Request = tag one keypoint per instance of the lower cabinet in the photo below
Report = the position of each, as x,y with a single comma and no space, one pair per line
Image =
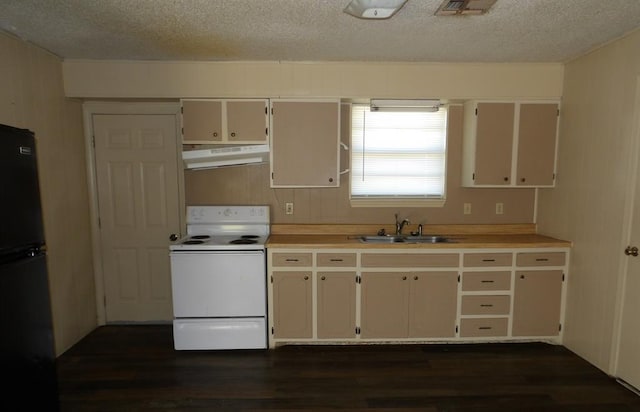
358,295
292,305
408,305
336,305
537,303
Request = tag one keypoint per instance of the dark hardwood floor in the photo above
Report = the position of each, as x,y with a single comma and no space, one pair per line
134,368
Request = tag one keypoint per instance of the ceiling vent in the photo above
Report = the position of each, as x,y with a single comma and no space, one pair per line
464,7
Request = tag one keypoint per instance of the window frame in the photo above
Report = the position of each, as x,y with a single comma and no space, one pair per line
398,201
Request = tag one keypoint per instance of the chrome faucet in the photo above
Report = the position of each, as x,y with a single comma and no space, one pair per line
400,225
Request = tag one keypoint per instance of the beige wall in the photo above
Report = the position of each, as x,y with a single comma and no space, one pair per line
250,185
588,204
149,79
32,97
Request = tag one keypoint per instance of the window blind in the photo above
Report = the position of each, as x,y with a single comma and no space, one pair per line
398,154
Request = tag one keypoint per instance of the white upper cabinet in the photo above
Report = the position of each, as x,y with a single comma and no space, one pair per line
225,121
509,144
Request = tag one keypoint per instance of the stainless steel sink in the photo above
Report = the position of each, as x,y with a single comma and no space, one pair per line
404,239
427,239
382,239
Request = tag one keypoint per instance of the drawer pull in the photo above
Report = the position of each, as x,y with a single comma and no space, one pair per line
486,281
335,260
485,328
488,260
542,260
291,260
486,305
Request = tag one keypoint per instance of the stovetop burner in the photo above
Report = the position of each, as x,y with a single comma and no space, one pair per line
193,242
200,237
243,241
249,236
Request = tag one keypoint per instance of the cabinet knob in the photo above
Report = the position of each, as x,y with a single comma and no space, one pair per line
323,278
306,278
215,134
404,278
233,134
173,237
523,180
506,179
331,180
521,276
415,278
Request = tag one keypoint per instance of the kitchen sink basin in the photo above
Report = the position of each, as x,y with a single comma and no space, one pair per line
383,239
404,239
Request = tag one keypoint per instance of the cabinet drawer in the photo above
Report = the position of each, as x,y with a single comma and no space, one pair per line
292,259
486,305
406,260
472,281
541,259
483,327
487,259
336,259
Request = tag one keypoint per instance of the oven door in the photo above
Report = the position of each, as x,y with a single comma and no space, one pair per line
218,284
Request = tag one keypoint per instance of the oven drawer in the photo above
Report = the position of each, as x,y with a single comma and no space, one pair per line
218,284
202,334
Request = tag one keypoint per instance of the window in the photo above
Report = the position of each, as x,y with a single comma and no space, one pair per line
398,158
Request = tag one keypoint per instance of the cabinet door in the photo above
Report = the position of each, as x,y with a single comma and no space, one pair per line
201,120
494,143
292,305
433,304
384,305
537,132
247,121
304,141
336,305
536,303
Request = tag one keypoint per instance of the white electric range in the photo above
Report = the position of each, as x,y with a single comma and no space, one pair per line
218,279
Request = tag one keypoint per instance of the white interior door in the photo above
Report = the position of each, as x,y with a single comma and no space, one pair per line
628,366
136,162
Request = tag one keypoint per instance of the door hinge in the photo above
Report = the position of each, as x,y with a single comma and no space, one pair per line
554,176
272,111
476,111
563,277
560,327
271,279
358,279
181,109
558,113
473,176
266,110
357,330
93,141
266,131
273,330
456,328
458,278
271,175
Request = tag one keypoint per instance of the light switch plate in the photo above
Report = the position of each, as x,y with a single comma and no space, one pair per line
288,208
467,208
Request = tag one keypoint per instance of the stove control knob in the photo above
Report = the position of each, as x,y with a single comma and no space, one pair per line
173,237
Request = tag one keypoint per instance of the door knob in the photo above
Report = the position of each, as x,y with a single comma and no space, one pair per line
631,251
173,237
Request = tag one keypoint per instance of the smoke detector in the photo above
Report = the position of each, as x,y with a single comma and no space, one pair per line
464,7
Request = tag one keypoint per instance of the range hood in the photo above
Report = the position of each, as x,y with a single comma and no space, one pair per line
225,156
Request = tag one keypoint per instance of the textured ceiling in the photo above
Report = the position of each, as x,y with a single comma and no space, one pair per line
316,30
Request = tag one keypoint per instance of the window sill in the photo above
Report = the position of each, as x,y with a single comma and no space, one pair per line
395,202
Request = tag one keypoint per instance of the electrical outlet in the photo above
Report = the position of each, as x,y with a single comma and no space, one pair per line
499,208
467,208
288,208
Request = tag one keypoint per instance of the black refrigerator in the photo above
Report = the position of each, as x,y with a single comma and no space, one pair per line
27,354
